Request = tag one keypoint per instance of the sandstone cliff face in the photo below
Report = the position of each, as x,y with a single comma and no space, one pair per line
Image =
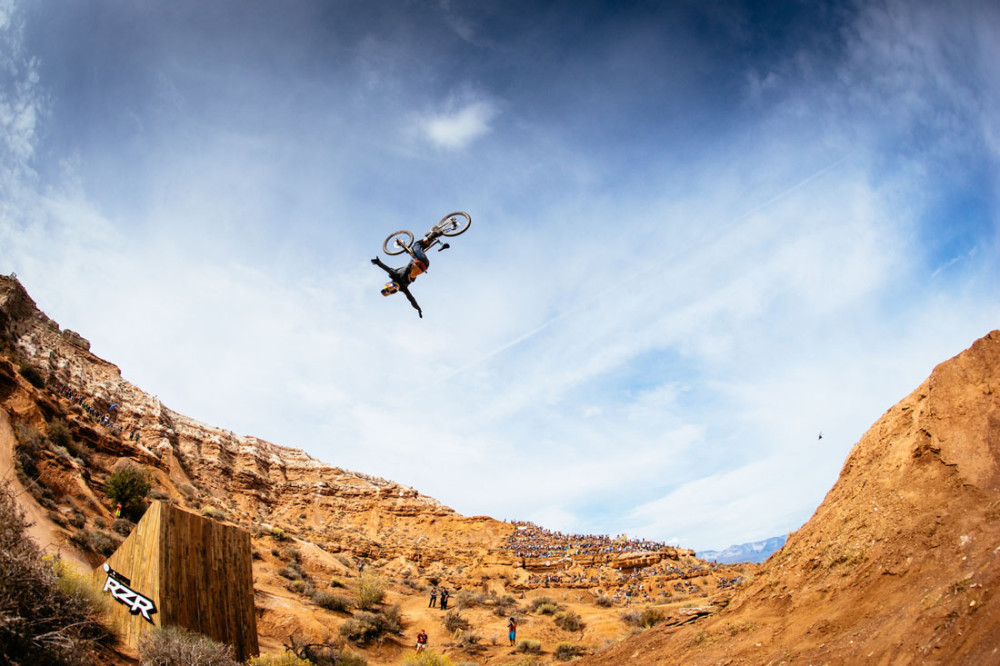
251,481
900,564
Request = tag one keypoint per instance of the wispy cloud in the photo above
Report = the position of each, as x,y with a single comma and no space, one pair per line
666,293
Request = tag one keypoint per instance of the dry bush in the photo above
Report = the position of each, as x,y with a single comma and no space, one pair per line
332,602
174,646
604,601
43,620
366,627
453,621
470,599
544,606
567,651
284,659
428,658
569,621
529,646
371,591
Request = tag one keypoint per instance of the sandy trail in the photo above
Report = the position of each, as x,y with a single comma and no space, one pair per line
40,528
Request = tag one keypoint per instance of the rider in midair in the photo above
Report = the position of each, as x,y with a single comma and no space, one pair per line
401,278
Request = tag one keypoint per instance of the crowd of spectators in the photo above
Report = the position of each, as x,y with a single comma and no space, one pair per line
94,409
531,541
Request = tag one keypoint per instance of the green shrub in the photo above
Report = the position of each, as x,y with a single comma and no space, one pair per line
47,617
128,485
569,621
371,591
174,646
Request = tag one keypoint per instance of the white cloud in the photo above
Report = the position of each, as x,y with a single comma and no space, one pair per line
460,126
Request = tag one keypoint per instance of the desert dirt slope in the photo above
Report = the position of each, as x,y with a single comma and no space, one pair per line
901,562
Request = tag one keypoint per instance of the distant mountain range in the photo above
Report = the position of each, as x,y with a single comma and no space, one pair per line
758,551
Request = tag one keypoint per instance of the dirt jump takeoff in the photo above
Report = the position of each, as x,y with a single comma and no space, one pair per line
400,279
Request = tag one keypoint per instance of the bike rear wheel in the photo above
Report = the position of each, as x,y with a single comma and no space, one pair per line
454,224
403,236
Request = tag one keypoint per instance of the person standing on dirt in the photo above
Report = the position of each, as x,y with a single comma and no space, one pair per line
512,631
401,278
444,599
421,641
434,597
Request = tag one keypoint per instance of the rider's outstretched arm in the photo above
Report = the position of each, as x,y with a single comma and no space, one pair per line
413,301
378,262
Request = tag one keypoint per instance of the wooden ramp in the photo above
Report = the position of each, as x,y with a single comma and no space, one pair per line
177,568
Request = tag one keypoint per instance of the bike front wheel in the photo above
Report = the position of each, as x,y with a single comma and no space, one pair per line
454,224
391,247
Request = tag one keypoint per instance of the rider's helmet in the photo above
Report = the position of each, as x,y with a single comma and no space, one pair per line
390,288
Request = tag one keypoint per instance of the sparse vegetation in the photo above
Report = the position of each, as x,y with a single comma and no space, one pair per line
569,621
529,646
566,651
604,601
366,627
322,654
649,617
284,659
332,602
214,513
427,658
46,615
174,646
371,591
453,621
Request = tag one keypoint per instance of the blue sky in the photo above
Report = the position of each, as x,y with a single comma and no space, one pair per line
702,233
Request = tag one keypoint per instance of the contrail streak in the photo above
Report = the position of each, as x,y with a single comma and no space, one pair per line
717,235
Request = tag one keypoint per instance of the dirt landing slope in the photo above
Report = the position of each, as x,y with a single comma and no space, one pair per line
901,562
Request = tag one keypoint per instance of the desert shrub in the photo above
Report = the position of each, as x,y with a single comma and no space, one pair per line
345,559
303,587
324,654
604,601
469,599
651,617
174,646
547,609
128,485
46,617
293,571
505,606
366,627
32,374
567,651
371,591
569,621
26,452
427,658
77,519
98,541
213,513
453,621
544,606
336,582
470,639
284,659
332,602
123,526
159,494
529,646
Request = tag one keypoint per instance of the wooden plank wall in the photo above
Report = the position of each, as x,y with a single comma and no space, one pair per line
197,571
207,580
